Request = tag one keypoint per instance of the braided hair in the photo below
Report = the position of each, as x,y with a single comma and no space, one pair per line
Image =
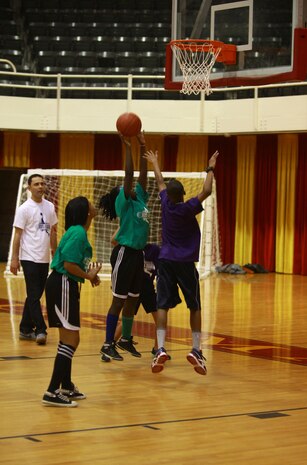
107,204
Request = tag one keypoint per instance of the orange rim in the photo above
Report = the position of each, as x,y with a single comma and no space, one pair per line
226,53
197,45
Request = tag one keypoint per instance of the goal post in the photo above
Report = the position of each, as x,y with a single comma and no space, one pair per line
63,185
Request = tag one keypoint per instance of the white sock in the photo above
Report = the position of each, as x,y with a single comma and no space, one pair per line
196,340
161,333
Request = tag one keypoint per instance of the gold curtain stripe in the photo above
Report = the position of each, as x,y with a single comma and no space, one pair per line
192,153
246,150
77,151
16,149
287,159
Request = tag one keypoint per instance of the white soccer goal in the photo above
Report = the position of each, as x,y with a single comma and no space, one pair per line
63,185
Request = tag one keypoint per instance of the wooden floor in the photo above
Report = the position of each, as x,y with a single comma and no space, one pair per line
251,408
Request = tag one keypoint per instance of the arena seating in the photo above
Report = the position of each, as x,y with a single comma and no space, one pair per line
81,36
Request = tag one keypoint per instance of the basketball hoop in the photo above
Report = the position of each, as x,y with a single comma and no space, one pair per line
196,59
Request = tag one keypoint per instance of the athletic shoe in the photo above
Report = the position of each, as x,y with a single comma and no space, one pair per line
57,399
27,336
128,346
159,360
135,343
196,358
154,353
73,393
109,352
41,339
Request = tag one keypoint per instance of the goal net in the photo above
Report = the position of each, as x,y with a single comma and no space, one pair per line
63,185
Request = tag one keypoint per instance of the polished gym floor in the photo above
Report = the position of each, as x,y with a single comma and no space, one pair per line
251,408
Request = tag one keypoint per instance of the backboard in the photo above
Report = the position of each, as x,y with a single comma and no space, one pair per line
270,35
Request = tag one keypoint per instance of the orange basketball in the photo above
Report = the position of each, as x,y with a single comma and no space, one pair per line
129,124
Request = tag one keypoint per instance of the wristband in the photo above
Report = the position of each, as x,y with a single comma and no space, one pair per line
210,168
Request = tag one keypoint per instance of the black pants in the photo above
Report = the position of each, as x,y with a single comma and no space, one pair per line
35,275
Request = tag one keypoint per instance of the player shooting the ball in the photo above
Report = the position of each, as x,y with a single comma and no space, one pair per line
127,258
176,264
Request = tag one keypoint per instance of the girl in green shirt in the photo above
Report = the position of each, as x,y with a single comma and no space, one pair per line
70,267
127,258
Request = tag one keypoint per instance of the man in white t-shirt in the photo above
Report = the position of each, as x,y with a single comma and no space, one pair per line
35,236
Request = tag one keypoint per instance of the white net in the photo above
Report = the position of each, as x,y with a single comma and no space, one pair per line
195,60
63,185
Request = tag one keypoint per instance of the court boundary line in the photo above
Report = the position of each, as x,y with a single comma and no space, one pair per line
152,424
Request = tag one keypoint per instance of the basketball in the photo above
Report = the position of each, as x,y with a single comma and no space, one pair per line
129,124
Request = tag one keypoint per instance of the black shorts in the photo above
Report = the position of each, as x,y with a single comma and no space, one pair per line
127,271
148,295
172,274
63,302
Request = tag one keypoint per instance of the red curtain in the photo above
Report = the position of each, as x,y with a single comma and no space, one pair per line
108,152
300,234
170,153
265,201
226,177
45,151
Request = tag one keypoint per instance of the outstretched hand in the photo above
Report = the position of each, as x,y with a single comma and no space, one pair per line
212,160
151,156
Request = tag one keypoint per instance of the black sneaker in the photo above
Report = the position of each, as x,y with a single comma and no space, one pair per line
73,393
154,353
27,336
109,352
159,360
196,358
128,346
57,399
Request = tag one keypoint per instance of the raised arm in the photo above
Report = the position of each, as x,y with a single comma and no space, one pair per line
129,168
143,162
207,186
152,157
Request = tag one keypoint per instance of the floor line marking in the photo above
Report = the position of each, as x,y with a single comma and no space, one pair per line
155,423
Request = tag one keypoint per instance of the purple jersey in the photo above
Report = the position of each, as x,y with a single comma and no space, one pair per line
180,229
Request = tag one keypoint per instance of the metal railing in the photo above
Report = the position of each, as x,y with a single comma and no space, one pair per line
129,83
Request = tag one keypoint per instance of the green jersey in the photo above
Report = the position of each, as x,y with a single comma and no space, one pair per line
74,247
133,214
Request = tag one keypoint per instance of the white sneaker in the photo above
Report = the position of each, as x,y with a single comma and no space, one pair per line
27,336
196,358
159,360
41,339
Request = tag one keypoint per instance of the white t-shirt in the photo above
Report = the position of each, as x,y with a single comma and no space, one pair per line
36,220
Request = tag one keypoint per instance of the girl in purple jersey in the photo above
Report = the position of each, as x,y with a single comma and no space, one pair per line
179,252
